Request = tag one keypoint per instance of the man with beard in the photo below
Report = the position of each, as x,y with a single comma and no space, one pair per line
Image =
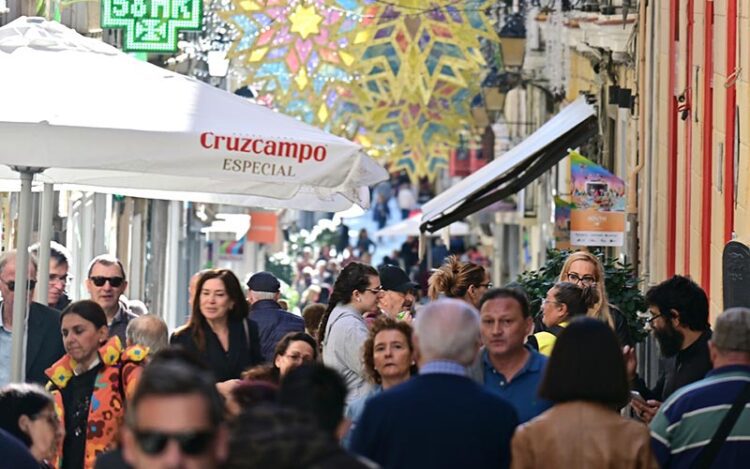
679,320
399,293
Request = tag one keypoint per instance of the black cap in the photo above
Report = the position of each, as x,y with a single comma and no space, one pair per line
264,281
394,278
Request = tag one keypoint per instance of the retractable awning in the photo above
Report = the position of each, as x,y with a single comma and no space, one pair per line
515,169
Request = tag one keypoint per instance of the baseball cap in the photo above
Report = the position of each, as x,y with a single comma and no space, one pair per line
394,278
732,330
264,281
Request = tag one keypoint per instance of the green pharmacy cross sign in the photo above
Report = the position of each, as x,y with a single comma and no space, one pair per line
151,25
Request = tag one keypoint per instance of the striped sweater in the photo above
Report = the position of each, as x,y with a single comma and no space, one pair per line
687,421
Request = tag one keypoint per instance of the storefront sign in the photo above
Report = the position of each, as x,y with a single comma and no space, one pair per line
598,216
151,25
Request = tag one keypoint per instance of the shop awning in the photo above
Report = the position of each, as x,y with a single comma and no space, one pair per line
515,169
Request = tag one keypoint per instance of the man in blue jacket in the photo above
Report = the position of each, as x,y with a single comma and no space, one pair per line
273,322
441,418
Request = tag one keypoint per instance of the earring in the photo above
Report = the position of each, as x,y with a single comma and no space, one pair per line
413,362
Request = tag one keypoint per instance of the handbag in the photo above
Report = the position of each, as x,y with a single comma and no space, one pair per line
706,457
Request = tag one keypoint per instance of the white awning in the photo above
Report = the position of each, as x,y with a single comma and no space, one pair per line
515,169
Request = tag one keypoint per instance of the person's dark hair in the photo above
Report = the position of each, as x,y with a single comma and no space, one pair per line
577,299
252,393
513,293
88,310
586,365
316,390
266,372
266,436
197,322
354,277
271,373
22,399
684,296
454,278
312,315
106,259
290,337
174,371
383,323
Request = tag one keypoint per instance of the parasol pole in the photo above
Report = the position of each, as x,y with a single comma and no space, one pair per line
20,293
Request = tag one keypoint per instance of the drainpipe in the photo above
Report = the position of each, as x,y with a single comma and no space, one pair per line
687,106
708,123
674,11
731,104
650,261
640,152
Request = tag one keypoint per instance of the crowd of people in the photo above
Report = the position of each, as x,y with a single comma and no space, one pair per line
374,376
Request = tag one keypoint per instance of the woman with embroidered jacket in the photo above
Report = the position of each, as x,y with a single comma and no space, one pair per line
219,330
90,384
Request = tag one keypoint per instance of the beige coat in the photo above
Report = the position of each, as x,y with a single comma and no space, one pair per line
582,435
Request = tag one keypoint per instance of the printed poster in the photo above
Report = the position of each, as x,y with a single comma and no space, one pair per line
598,196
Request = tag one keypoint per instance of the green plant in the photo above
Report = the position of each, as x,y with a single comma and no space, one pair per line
621,286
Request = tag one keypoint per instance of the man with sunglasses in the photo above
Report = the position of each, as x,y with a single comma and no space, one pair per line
43,340
106,283
175,417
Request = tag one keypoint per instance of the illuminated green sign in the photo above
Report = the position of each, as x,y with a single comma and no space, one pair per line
151,25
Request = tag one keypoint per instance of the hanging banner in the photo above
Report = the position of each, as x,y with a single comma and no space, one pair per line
562,223
598,215
263,227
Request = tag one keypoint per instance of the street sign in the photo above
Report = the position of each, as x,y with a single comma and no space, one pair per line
151,25
736,275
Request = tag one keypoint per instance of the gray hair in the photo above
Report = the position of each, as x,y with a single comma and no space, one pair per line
264,295
448,329
9,256
148,330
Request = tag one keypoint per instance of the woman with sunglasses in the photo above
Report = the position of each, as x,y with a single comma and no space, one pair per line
586,270
343,329
461,280
27,412
91,383
563,302
219,330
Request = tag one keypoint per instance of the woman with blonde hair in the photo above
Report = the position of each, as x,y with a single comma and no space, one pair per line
461,280
586,270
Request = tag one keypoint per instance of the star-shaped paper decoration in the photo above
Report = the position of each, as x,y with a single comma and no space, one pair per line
305,21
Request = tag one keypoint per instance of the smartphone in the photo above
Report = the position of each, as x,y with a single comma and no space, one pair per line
636,396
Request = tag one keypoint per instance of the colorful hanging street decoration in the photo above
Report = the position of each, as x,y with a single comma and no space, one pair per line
398,76
295,53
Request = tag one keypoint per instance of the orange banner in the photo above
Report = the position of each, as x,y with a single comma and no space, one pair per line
263,227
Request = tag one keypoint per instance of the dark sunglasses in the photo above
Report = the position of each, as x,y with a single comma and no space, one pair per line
191,443
114,281
12,284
